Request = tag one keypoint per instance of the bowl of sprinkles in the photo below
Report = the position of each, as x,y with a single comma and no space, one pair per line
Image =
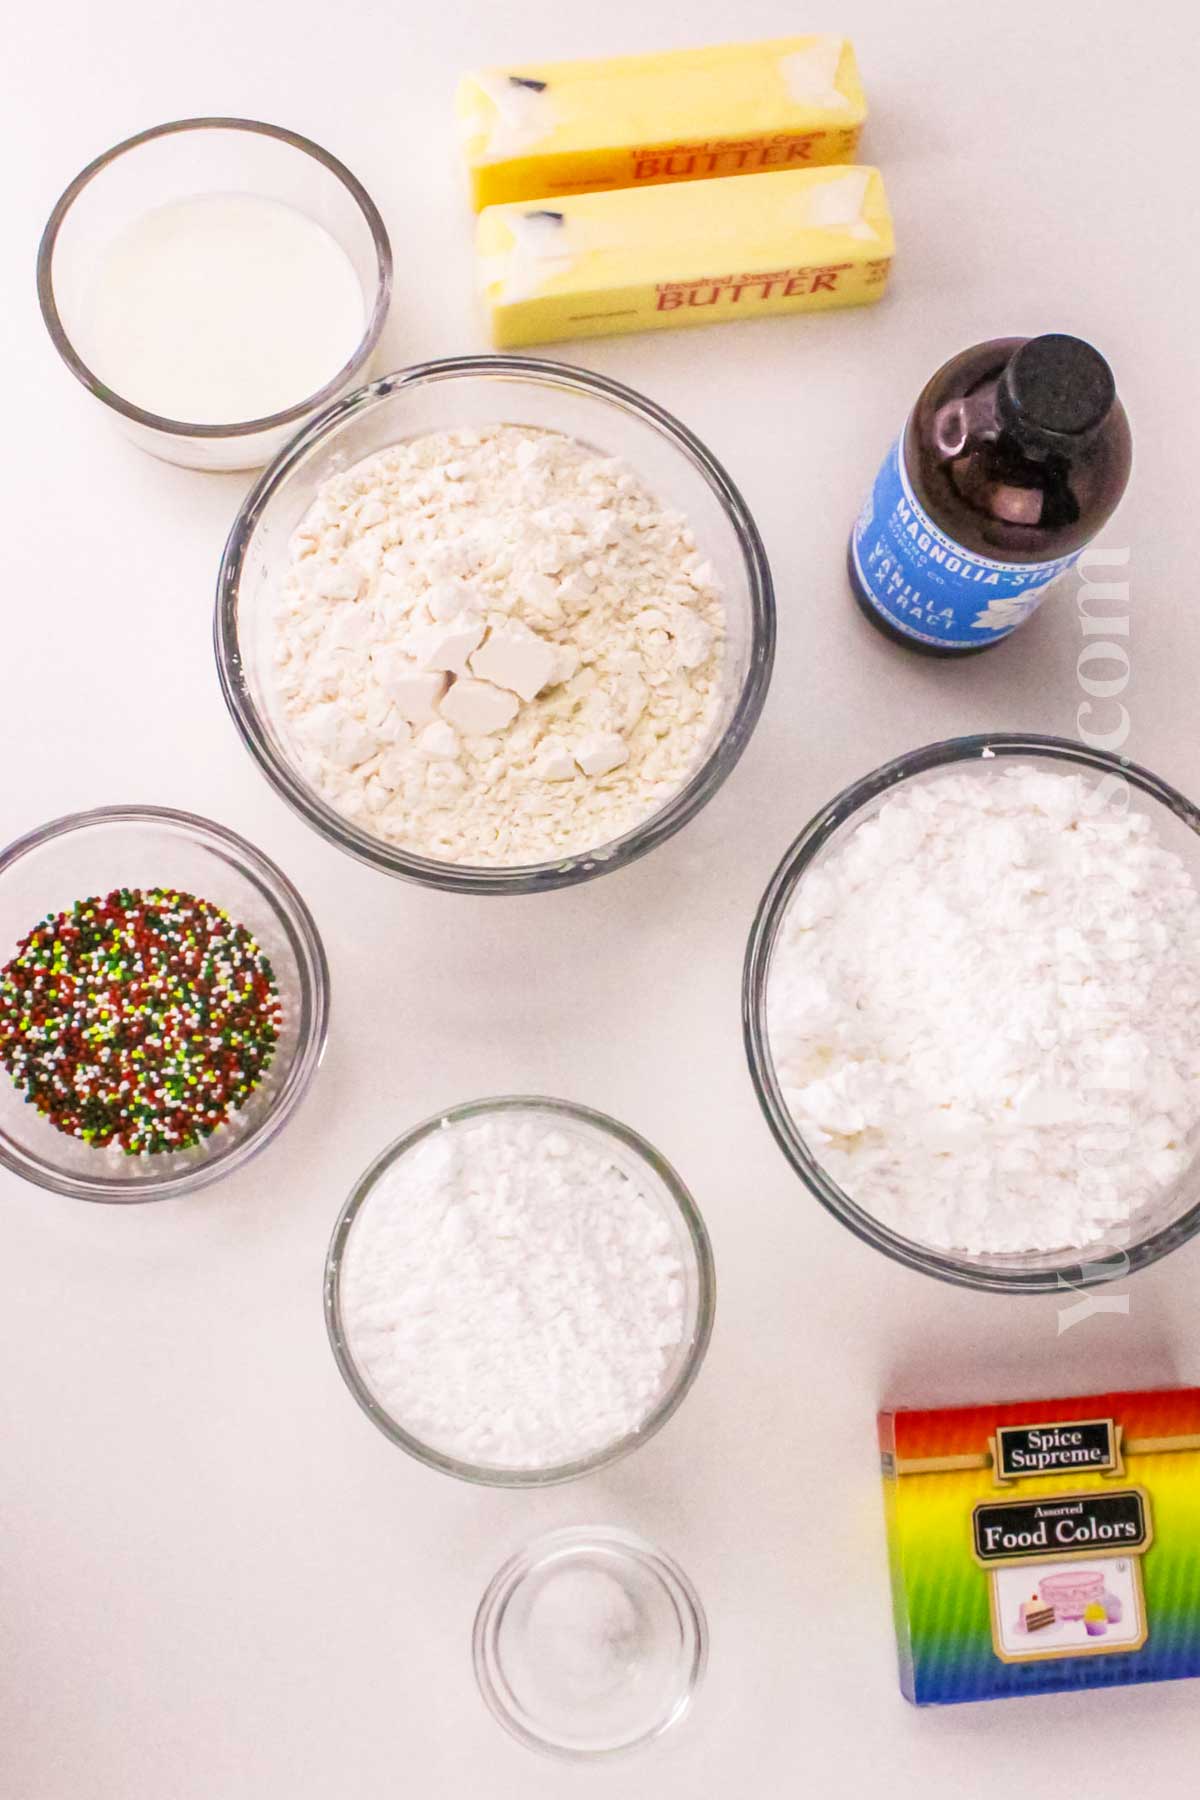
164,999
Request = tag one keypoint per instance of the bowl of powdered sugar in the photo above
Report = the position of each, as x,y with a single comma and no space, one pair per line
495,625
972,1012
519,1291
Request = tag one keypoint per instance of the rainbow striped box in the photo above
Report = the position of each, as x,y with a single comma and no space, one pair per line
1044,1545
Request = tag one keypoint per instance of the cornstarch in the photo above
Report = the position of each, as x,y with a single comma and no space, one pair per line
511,1296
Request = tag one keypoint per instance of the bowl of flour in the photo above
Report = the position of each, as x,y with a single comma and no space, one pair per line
972,1012
519,1291
495,625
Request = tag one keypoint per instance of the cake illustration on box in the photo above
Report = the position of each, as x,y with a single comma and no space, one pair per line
1071,1592
1035,1615
1044,1545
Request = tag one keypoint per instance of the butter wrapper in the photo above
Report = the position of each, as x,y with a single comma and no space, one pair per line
662,257
536,130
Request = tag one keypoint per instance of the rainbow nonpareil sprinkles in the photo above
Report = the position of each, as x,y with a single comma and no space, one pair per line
141,1021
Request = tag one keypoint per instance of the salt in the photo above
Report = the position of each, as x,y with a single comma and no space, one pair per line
588,1628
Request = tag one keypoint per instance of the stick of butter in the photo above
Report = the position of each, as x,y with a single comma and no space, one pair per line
636,260
688,115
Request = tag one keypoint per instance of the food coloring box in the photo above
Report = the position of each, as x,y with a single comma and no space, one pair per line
1045,1545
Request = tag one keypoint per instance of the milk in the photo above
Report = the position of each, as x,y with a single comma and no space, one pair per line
222,308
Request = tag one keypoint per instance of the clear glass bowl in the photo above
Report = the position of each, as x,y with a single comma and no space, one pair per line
1156,1230
589,1643
145,846
173,162
655,1178
482,390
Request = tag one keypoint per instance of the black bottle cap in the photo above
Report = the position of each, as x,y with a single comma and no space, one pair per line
1055,391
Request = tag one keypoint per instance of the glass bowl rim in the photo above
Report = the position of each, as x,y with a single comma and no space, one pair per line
841,812
245,427
311,962
573,867
482,1474
527,1561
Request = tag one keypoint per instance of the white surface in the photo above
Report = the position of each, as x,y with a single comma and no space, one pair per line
219,1582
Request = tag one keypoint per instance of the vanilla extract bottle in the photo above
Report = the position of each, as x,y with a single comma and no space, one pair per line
1015,455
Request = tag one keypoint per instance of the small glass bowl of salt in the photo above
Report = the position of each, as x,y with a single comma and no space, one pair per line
589,1643
214,282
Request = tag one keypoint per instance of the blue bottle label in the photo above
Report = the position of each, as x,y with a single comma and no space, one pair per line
929,587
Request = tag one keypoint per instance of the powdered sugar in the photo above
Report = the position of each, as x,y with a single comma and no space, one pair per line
984,1012
495,647
511,1295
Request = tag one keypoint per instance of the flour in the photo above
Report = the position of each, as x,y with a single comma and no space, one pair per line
495,647
511,1296
984,1012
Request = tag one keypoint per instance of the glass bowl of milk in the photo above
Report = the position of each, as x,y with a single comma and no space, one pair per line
214,282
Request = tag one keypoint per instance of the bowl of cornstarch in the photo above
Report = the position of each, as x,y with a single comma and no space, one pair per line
519,1291
495,625
164,999
972,1012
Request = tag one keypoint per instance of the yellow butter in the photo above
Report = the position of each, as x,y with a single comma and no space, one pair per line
538,129
638,260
